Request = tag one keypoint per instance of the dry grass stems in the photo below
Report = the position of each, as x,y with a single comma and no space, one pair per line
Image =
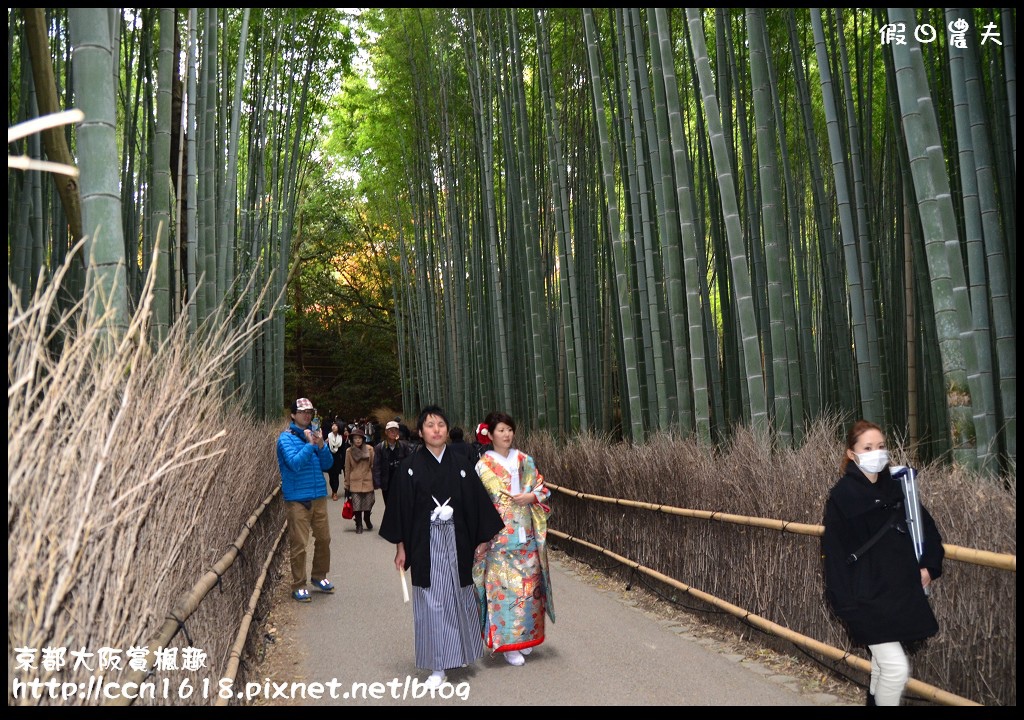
778,575
36,125
129,474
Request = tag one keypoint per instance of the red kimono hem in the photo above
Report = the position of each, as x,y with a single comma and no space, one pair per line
513,646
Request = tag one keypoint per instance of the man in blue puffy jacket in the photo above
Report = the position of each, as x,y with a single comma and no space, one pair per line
303,458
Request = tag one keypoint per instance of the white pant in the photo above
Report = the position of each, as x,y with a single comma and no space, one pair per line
890,670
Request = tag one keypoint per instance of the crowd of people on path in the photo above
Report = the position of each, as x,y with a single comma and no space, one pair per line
469,520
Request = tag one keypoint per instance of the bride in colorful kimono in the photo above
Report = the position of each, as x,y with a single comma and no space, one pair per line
512,580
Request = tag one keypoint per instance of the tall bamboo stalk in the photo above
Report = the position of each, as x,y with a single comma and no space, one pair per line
669,232
632,408
751,355
97,143
776,262
870,400
931,185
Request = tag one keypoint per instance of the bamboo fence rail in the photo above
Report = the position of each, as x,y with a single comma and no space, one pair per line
189,602
1000,561
243,631
921,689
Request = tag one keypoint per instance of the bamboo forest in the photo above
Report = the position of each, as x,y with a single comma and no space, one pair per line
622,221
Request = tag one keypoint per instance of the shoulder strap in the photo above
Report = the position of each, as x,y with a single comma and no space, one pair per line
855,556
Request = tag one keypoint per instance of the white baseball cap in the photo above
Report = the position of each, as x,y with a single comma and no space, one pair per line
391,426
302,404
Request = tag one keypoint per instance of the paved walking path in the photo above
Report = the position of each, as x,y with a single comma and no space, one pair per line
601,650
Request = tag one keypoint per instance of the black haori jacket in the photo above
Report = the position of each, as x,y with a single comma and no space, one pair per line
410,503
879,597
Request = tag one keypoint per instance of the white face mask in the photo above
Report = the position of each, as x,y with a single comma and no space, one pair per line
872,462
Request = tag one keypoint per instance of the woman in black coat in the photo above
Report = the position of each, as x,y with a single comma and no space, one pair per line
881,596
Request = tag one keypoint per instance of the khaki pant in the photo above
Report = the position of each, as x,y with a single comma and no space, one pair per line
300,522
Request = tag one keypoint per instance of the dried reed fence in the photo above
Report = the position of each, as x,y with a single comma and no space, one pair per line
777,575
128,479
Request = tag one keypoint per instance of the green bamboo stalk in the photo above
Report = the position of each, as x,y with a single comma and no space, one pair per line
740,272
942,244
799,353
229,199
669,230
643,231
36,262
97,144
770,201
160,223
19,198
544,366
636,285
205,167
712,267
129,89
996,248
568,293
870,399
190,194
632,403
656,143
484,120
868,263
684,181
1010,74
985,405
750,211
836,389
35,53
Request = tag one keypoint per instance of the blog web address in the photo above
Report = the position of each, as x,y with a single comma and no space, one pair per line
98,690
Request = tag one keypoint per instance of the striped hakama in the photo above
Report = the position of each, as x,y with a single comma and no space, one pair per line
446,620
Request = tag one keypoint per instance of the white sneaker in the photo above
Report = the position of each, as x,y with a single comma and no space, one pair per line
514,657
526,651
435,680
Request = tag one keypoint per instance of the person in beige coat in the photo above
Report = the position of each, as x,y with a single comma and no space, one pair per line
359,478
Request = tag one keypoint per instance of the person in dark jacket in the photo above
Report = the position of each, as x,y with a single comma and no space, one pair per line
439,516
388,455
460,446
335,443
874,580
403,429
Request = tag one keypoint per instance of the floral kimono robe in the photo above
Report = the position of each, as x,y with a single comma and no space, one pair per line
512,580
